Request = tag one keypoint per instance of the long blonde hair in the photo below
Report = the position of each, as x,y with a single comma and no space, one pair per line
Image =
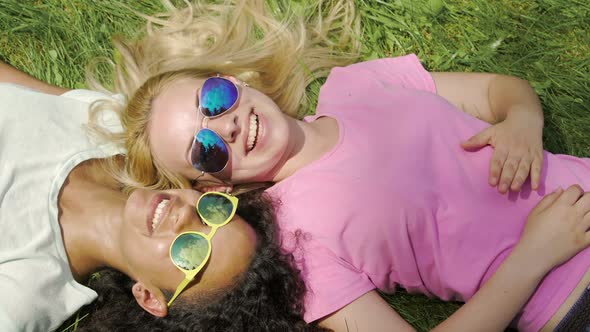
279,51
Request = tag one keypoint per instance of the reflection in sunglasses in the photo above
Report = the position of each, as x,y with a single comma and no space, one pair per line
215,210
189,251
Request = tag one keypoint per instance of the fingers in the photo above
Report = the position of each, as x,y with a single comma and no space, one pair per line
547,201
536,171
496,164
515,170
477,141
508,171
571,195
521,174
583,204
586,227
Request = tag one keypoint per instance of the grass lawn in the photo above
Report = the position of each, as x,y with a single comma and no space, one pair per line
544,41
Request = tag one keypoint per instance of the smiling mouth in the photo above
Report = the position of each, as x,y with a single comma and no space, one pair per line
158,213
253,133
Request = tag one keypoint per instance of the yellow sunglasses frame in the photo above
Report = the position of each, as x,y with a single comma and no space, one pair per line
189,275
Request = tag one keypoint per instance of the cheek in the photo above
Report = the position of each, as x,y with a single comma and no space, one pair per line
147,256
237,246
170,152
170,137
163,147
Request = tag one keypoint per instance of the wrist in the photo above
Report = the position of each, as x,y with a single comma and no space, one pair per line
531,117
530,260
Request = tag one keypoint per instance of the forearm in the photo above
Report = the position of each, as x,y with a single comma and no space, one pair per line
496,304
10,74
510,96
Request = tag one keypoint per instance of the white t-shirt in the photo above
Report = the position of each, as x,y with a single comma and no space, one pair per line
42,139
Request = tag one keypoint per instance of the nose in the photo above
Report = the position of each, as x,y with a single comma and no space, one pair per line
186,215
225,126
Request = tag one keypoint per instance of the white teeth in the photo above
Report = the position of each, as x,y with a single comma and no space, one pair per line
253,133
158,212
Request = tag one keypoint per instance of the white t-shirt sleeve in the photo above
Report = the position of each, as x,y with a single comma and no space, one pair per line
90,96
108,117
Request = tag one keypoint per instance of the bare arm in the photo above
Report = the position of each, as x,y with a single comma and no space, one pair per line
557,229
500,298
10,74
367,313
496,304
490,97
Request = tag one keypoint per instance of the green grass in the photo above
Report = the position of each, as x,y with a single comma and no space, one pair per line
544,41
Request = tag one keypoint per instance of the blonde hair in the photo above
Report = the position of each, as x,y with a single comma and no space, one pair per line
278,51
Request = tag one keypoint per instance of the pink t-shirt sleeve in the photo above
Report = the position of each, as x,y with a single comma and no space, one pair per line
331,283
405,71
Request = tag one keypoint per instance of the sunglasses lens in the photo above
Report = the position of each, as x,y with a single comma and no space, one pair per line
209,152
215,209
189,251
217,96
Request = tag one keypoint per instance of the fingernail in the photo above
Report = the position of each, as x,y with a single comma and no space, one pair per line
503,187
493,181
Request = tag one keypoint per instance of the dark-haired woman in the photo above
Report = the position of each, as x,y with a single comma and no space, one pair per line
63,217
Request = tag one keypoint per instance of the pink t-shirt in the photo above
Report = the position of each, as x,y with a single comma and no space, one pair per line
399,202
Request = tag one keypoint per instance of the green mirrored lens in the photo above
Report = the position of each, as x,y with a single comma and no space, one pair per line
215,209
189,251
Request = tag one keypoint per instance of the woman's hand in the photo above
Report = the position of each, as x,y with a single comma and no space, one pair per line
518,151
557,228
513,109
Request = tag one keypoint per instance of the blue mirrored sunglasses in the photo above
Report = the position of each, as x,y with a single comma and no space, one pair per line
209,152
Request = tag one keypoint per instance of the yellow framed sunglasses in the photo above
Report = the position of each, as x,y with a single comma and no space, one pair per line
190,251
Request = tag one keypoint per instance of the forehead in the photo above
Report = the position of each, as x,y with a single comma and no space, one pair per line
172,122
179,94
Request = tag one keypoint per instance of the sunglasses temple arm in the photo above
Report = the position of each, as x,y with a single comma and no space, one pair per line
179,289
210,235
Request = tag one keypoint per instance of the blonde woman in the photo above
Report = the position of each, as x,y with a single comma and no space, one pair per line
377,189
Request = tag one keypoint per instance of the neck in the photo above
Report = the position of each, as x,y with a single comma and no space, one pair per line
312,141
90,212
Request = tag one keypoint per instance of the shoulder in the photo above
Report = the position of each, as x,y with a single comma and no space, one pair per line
326,276
404,71
90,96
404,63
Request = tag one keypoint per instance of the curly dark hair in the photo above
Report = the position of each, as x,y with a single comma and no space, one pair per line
267,297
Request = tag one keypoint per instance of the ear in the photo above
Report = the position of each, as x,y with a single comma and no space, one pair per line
151,301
